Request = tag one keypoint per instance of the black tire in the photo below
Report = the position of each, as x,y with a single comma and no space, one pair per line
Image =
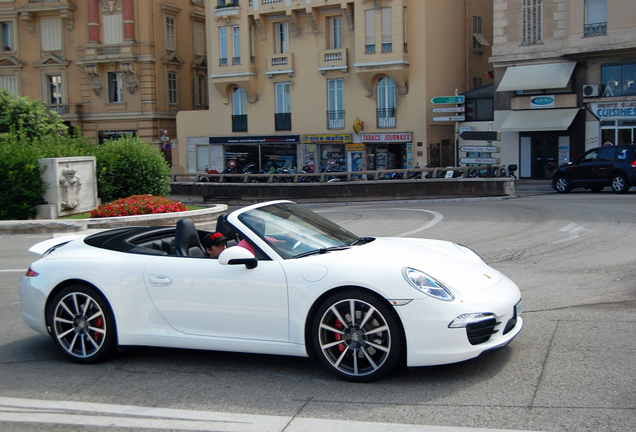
562,184
365,348
82,324
620,184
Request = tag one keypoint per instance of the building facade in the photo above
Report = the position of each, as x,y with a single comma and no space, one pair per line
110,67
334,84
565,73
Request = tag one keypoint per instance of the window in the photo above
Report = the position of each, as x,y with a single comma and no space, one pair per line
283,107
335,33
173,93
171,33
335,115
252,56
478,34
595,17
10,83
236,45
51,34
387,30
281,31
7,36
369,46
201,91
386,103
54,86
199,38
477,82
222,46
239,110
113,29
619,79
532,22
115,87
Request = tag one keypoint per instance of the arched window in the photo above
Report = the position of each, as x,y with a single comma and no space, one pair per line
386,103
239,110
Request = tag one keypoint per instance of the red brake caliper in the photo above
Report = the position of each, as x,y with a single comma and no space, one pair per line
338,336
100,324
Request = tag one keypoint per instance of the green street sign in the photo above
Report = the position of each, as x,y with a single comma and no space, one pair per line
448,100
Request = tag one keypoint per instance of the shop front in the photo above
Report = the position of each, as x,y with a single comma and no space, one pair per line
617,122
388,150
256,154
326,152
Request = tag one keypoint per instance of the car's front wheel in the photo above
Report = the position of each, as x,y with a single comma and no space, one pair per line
82,324
619,183
562,185
358,335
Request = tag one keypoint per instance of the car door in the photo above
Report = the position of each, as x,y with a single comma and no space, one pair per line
580,172
604,166
199,296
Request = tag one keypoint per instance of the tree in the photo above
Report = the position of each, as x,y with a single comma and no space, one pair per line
27,117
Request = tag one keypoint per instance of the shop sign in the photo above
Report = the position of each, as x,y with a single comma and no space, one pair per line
256,139
357,125
116,133
355,147
540,102
614,109
388,138
327,138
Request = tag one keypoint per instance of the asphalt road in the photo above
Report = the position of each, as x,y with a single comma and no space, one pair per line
572,368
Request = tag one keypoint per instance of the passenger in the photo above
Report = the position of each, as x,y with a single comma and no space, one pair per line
214,244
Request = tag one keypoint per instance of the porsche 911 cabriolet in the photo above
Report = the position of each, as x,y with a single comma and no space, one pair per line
304,287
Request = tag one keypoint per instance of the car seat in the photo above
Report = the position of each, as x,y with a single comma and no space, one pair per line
187,241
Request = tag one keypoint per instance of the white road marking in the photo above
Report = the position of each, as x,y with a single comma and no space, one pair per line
13,271
17,410
573,230
437,218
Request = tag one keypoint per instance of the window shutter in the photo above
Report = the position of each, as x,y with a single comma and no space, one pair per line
113,29
51,34
370,27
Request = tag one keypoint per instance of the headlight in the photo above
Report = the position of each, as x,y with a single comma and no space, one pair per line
426,284
470,318
470,252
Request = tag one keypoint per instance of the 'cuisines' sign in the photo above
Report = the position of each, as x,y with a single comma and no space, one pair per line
614,109
387,138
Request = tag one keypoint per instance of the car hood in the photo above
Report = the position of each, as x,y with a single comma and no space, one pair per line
445,261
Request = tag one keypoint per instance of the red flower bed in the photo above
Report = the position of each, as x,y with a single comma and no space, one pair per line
138,205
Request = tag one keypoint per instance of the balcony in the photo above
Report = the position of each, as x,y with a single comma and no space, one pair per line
239,123
67,111
336,119
227,9
280,64
333,59
386,118
595,29
282,121
97,53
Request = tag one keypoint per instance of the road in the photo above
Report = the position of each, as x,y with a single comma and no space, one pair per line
572,368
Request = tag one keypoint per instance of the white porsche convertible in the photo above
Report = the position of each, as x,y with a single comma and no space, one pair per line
363,305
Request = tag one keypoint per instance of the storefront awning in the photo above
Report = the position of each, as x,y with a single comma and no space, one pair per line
537,77
539,120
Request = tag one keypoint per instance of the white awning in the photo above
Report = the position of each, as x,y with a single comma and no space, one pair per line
537,77
539,120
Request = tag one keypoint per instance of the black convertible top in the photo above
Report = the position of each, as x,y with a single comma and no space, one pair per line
142,240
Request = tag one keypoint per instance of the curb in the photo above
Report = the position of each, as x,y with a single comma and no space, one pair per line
44,226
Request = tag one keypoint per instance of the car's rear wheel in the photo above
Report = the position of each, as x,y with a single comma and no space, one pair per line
358,336
82,324
619,183
562,185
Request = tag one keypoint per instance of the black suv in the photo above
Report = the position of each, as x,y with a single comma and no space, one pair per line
600,167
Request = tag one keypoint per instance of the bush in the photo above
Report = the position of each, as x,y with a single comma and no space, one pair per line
130,166
138,205
27,116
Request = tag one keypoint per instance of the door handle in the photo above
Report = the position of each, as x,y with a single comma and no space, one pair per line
159,280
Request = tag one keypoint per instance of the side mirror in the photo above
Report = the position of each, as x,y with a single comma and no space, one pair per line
237,255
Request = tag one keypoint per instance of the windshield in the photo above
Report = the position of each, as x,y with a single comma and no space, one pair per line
293,231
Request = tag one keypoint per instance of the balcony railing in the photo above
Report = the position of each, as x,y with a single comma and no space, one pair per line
386,117
282,121
44,1
369,49
333,59
595,29
239,123
336,119
222,61
66,110
236,60
280,63
108,50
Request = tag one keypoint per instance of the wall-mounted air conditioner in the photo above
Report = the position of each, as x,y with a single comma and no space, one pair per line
591,90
